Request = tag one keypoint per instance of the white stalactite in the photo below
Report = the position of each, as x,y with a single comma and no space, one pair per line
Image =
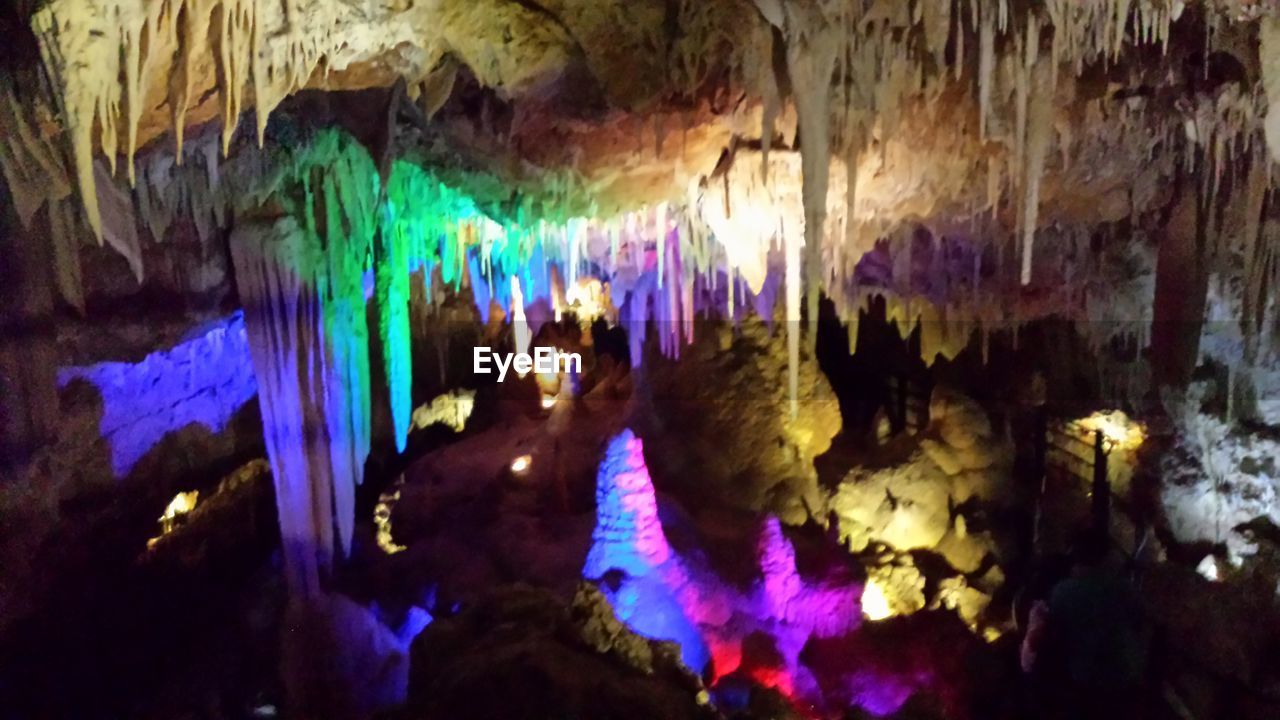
986,68
1039,131
1269,53
812,42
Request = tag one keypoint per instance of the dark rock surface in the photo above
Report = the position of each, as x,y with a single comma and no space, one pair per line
524,654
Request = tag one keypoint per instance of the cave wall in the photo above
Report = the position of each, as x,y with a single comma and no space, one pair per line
144,392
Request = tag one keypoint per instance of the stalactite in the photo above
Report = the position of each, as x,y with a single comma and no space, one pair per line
519,323
34,173
196,33
986,67
1039,129
301,282
812,42
852,325
1256,252
1269,54
283,338
118,226
393,291
660,235
936,21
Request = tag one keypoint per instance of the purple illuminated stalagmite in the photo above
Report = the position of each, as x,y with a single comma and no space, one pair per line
668,596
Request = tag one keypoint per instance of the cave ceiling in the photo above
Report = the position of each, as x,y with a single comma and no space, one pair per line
998,120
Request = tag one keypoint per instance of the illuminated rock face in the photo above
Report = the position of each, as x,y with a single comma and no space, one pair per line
726,393
132,431
1222,484
203,381
910,505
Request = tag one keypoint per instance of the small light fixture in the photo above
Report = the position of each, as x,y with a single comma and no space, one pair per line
181,504
521,464
175,514
548,402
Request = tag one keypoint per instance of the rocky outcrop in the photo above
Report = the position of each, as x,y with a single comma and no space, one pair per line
723,408
1220,481
956,471
522,653
365,666
1216,642
913,505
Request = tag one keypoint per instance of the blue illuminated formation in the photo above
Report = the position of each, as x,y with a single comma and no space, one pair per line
646,605
203,380
630,550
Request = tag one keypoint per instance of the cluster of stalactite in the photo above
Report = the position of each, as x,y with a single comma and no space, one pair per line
302,279
105,54
857,73
856,70
888,60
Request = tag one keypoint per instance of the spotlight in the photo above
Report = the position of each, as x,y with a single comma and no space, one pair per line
548,402
521,464
1116,427
875,606
181,504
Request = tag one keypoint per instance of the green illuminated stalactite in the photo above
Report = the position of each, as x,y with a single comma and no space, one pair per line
392,279
393,294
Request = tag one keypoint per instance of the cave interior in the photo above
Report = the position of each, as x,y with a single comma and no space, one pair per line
634,359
